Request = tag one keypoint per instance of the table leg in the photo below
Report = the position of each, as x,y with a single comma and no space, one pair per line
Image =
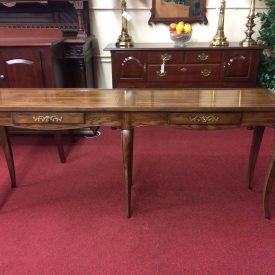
127,148
6,145
270,177
254,151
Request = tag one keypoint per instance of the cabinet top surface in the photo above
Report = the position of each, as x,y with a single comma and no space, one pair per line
171,46
29,37
136,100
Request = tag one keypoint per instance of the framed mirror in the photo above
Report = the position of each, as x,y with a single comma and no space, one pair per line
168,11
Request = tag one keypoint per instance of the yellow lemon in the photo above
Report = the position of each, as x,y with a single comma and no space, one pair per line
187,28
180,27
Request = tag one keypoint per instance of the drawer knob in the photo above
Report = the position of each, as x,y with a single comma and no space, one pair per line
2,77
206,72
203,56
47,119
204,119
183,70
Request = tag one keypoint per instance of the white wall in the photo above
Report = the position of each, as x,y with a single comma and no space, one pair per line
106,26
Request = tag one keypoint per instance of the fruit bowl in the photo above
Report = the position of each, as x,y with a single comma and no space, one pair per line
180,39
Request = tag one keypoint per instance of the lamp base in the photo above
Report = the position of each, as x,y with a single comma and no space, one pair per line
248,42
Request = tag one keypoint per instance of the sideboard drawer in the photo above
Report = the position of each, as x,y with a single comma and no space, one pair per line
169,57
204,118
48,118
203,57
184,73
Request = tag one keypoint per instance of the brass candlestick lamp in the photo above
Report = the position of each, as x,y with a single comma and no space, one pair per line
248,41
124,40
220,39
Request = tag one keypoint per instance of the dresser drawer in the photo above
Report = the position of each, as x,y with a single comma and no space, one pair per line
206,118
184,73
48,118
169,57
203,57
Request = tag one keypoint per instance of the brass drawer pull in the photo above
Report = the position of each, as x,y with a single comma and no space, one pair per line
203,56
166,57
47,119
204,119
206,72
159,73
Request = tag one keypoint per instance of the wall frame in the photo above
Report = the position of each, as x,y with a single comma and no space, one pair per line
168,11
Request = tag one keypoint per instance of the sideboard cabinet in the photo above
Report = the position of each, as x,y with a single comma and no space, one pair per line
154,65
31,58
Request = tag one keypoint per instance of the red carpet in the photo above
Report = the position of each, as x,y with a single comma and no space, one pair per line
192,211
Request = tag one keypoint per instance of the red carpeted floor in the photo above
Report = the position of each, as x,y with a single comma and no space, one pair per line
192,211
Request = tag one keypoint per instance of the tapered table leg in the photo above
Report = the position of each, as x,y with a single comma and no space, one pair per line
60,148
6,145
254,151
270,177
127,148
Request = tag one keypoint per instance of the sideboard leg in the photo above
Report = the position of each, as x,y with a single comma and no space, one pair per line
270,177
6,145
127,148
254,151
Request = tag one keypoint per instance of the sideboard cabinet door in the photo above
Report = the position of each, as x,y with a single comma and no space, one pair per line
240,66
130,69
22,68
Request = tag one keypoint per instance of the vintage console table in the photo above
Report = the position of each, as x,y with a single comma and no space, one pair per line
199,109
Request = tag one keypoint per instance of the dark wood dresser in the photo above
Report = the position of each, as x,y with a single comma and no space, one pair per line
162,65
72,18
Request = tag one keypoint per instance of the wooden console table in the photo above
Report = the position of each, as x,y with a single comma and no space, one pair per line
199,109
151,65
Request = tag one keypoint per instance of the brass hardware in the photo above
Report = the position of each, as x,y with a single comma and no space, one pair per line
206,72
124,39
248,41
2,76
47,119
220,39
166,57
144,67
204,119
183,70
203,56
159,73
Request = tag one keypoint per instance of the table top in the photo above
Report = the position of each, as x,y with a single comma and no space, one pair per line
45,99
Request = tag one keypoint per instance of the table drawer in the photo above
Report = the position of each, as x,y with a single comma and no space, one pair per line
206,118
203,57
184,73
168,56
48,118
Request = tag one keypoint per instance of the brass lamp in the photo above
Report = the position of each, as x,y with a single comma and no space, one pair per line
220,39
124,39
248,41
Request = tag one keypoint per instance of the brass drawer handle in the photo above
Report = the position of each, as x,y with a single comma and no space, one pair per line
162,74
166,57
204,119
47,119
206,72
203,56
